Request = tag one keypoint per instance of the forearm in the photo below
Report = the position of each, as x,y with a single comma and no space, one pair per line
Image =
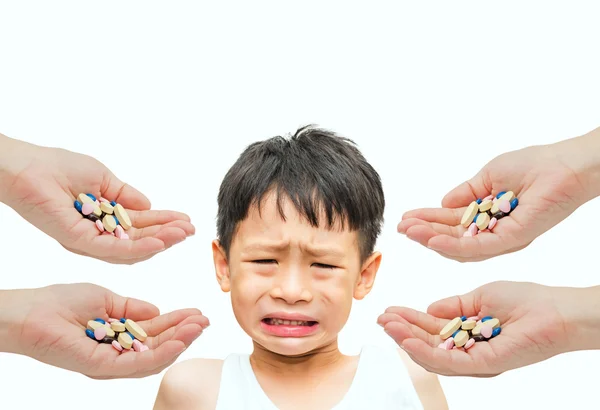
581,310
13,312
582,155
15,155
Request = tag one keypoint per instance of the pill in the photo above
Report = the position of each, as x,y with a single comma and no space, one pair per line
488,198
99,225
126,341
109,331
107,208
504,206
486,318
485,206
93,217
113,203
84,199
493,323
90,334
112,319
92,197
122,320
78,206
450,328
469,214
477,329
442,345
97,202
500,194
100,320
117,326
100,333
461,338
449,344
468,324
93,325
97,211
455,333
475,318
87,208
122,216
507,196
478,200
144,348
486,331
478,338
492,224
463,318
513,203
136,330
119,231
107,340
109,223
117,346
496,331
469,343
473,229
483,221
136,345
498,215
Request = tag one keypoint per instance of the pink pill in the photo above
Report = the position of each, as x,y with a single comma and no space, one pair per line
449,343
97,202
100,333
104,200
442,345
493,223
469,343
473,229
478,322
119,231
87,208
124,236
486,331
504,206
488,198
117,346
137,345
475,318
112,319
494,200
99,225
144,348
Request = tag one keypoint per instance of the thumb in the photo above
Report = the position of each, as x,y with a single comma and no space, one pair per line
455,306
466,192
131,308
124,194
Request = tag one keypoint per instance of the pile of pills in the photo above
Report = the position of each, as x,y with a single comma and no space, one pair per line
483,214
123,334
462,332
110,217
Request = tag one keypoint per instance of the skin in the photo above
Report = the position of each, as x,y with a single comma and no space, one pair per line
276,265
41,184
550,181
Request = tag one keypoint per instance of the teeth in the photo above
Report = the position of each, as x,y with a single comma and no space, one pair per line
277,322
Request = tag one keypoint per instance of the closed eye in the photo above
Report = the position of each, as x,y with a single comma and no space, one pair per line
324,266
264,261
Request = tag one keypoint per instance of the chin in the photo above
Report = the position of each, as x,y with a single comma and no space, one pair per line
290,347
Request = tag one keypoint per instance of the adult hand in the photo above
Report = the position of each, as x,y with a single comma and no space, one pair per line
550,182
48,324
41,184
537,322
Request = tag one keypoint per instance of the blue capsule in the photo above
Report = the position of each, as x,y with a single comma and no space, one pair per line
78,206
113,203
475,219
116,220
478,200
463,318
485,319
100,320
455,333
500,194
122,320
90,334
130,335
514,203
92,196
496,331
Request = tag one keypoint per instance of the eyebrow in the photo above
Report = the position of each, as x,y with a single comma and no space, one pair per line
279,247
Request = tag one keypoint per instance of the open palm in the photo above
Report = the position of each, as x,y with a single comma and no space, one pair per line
53,331
45,189
548,192
532,330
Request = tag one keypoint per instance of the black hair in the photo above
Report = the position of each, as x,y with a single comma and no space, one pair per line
318,171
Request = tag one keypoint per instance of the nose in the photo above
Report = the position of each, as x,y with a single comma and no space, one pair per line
291,287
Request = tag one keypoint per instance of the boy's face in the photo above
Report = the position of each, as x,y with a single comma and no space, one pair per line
292,284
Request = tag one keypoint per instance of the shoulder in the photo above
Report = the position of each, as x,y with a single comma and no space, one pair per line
191,384
427,384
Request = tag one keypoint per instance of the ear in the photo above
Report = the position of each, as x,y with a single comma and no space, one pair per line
221,266
366,279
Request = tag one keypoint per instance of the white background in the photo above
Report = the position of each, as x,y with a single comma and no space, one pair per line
168,95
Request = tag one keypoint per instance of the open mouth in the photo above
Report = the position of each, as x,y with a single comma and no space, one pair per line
281,322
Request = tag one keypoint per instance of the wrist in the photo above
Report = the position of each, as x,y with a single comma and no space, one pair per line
582,155
15,156
580,308
13,311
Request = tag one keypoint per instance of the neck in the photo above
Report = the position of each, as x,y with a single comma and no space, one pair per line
316,360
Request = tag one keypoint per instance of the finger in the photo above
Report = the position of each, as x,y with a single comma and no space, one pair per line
421,234
406,224
444,216
126,195
109,246
130,308
482,244
467,192
408,330
436,360
140,363
155,325
149,231
468,304
170,333
142,219
430,324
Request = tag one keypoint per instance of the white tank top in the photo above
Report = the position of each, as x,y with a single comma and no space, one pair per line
381,382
